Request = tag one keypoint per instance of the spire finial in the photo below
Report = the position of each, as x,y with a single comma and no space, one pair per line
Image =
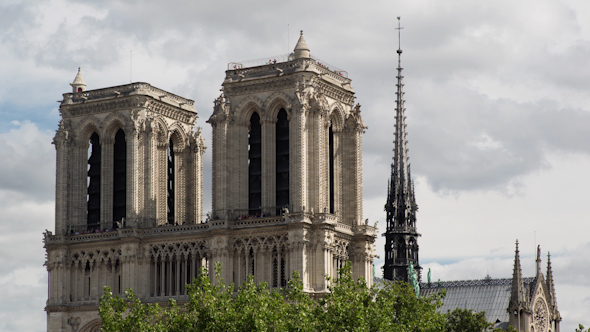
301,32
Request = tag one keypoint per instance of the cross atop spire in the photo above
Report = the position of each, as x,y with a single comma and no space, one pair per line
399,35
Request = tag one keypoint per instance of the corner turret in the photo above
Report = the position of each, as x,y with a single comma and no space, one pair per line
301,49
79,85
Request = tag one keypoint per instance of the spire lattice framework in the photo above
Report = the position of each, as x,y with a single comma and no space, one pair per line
401,245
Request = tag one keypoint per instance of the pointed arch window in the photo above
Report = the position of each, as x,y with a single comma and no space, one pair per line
170,182
119,177
254,166
94,170
282,161
331,165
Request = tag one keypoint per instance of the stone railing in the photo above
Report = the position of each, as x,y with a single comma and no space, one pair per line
253,222
326,218
191,228
366,229
127,232
279,68
344,228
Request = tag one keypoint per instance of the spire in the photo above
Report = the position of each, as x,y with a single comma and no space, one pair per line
518,294
301,49
401,204
550,285
400,207
79,84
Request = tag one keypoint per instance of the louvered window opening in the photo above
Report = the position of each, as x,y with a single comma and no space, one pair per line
255,166
282,161
170,183
94,170
331,166
119,177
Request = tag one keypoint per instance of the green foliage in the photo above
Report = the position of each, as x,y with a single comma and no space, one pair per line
465,320
348,306
581,328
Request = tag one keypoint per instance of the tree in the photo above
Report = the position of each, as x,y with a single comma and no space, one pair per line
348,306
465,320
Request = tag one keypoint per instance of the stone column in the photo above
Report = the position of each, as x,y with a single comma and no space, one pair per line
219,158
62,190
297,170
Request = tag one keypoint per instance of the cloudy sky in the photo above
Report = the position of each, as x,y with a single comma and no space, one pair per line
497,103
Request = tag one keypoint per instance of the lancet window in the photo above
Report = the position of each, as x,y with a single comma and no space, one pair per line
255,166
94,170
282,161
331,166
170,182
119,177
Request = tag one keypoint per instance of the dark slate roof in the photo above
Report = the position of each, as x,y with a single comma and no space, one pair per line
489,295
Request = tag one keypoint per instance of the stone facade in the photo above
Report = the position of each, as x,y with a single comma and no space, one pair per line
129,188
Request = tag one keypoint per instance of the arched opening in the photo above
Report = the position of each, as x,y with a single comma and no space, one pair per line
401,251
252,262
331,166
254,166
170,183
119,177
282,161
93,196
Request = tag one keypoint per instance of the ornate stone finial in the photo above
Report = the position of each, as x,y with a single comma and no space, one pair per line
301,49
538,260
518,293
550,284
79,84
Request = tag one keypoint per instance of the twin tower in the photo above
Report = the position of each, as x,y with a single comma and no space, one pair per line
286,187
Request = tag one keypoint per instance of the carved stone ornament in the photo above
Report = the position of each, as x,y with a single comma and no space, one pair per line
540,316
220,110
74,322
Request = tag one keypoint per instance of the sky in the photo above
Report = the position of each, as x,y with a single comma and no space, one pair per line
498,115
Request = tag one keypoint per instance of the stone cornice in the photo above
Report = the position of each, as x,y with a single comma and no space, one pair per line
130,103
72,307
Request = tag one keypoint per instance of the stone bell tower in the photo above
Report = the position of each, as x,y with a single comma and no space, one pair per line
287,172
128,163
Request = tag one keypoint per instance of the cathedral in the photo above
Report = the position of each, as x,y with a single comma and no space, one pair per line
286,187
